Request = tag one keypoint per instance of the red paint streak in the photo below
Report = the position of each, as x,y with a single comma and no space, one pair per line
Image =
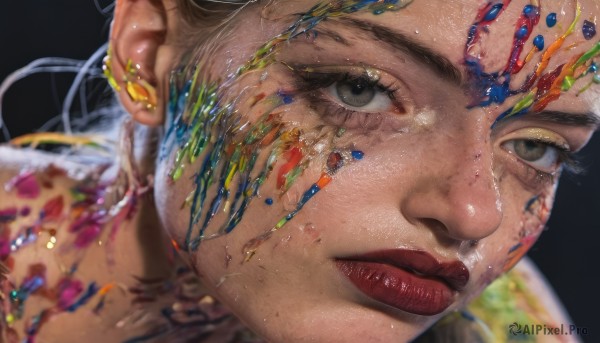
53,208
293,156
514,64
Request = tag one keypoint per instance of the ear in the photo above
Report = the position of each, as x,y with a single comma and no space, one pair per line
141,54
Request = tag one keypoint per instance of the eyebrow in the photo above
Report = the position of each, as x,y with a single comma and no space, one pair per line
439,64
586,119
444,68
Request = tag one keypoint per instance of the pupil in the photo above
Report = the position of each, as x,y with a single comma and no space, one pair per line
356,93
358,88
530,150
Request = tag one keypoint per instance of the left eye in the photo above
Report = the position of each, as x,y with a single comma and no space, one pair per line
361,94
540,155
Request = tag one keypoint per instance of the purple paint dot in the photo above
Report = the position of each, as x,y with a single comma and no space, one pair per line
551,19
588,29
25,211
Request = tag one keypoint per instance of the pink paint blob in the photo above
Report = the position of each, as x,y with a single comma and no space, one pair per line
26,185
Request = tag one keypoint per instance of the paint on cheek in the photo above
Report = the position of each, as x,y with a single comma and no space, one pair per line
535,216
335,161
202,123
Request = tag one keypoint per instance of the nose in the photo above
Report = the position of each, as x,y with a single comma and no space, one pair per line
456,189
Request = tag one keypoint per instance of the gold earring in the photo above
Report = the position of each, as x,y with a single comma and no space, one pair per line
108,71
138,90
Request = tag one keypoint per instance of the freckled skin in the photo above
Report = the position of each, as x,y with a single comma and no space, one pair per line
438,187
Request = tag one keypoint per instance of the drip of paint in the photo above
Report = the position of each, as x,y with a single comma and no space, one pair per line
201,122
551,19
588,29
335,161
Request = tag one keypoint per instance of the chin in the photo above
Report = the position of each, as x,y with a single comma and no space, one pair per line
351,322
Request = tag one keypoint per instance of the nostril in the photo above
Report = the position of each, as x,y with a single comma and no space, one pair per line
440,232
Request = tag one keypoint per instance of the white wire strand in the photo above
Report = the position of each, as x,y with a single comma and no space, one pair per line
66,116
42,65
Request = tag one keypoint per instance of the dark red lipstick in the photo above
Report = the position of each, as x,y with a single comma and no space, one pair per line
410,280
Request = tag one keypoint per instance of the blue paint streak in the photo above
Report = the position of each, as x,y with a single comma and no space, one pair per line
493,12
89,293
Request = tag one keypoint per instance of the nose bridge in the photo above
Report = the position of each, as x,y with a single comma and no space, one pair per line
460,191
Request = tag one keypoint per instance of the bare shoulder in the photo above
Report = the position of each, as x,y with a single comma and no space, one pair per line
535,282
520,305
58,236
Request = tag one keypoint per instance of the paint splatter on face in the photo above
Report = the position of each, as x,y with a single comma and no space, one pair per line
540,87
204,122
535,215
241,136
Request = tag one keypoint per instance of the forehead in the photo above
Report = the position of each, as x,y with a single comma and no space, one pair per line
444,27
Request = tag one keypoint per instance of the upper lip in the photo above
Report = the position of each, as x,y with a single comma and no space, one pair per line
454,273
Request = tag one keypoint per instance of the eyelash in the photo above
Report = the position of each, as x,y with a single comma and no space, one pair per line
567,160
312,83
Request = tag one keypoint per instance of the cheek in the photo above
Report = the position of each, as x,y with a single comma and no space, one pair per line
253,169
533,220
522,225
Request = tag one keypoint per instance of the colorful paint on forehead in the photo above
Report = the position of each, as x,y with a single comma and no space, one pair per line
201,121
540,87
307,21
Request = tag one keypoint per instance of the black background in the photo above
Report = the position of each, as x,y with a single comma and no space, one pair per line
31,29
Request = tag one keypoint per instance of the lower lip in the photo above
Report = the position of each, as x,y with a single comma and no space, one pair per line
398,288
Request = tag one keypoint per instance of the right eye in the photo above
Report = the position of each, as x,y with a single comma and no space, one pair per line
354,97
360,93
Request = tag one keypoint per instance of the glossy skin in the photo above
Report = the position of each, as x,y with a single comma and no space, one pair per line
434,177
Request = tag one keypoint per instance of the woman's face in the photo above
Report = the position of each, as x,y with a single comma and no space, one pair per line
357,181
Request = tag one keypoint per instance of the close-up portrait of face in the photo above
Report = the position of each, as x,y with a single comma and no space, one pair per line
300,171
